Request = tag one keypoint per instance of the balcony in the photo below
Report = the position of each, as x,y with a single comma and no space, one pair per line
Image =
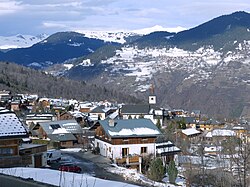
129,160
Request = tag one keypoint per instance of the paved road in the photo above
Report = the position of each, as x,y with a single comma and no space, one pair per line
93,165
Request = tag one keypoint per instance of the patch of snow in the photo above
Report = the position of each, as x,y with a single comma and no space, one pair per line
75,44
190,131
135,131
58,178
223,132
20,41
75,150
68,66
10,125
86,63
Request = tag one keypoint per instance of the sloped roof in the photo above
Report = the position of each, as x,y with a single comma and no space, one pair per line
187,120
11,126
61,126
130,128
135,109
62,137
98,109
223,132
190,131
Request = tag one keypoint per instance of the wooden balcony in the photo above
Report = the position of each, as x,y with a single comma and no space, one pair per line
129,160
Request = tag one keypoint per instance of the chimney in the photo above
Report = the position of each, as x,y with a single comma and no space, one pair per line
111,123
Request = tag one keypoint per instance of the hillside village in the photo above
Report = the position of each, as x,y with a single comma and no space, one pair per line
204,151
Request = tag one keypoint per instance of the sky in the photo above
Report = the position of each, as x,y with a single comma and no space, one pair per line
49,16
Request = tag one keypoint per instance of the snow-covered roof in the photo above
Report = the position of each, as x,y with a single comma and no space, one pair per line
209,135
167,150
61,126
239,128
212,149
223,132
190,131
113,115
11,126
130,128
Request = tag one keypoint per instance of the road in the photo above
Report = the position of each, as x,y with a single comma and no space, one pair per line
94,166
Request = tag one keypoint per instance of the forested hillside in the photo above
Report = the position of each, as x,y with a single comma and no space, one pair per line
19,79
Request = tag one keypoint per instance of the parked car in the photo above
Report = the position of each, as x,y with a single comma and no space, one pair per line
70,168
53,156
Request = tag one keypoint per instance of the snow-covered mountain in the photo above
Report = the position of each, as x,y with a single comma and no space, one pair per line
20,41
122,36
201,68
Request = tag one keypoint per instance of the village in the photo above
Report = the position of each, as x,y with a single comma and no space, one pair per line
204,150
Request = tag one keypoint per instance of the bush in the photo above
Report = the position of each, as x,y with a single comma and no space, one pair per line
156,170
96,150
172,172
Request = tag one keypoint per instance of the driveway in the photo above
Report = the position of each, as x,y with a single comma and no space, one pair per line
94,165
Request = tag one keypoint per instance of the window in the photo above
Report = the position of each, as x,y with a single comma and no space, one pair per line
6,151
125,152
143,150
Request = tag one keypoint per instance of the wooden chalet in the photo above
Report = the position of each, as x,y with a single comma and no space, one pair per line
126,141
12,151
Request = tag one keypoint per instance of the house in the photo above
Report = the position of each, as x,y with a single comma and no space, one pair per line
12,152
65,132
191,134
101,112
189,121
126,140
65,116
209,125
146,111
218,135
34,118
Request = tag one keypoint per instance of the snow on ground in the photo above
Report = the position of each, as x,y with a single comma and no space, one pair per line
58,178
133,175
72,150
144,63
19,41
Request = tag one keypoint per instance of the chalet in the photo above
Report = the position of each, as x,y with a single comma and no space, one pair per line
209,125
12,151
190,134
146,111
101,112
241,131
196,114
218,135
65,132
33,119
189,121
65,116
126,140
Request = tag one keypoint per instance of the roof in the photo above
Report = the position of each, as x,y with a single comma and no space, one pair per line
187,120
11,126
61,127
190,131
130,128
98,109
223,132
135,109
62,137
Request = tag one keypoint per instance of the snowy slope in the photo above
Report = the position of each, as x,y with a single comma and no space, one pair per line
20,41
120,36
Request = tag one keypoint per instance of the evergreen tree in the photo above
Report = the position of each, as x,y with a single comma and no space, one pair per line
156,170
172,172
158,124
